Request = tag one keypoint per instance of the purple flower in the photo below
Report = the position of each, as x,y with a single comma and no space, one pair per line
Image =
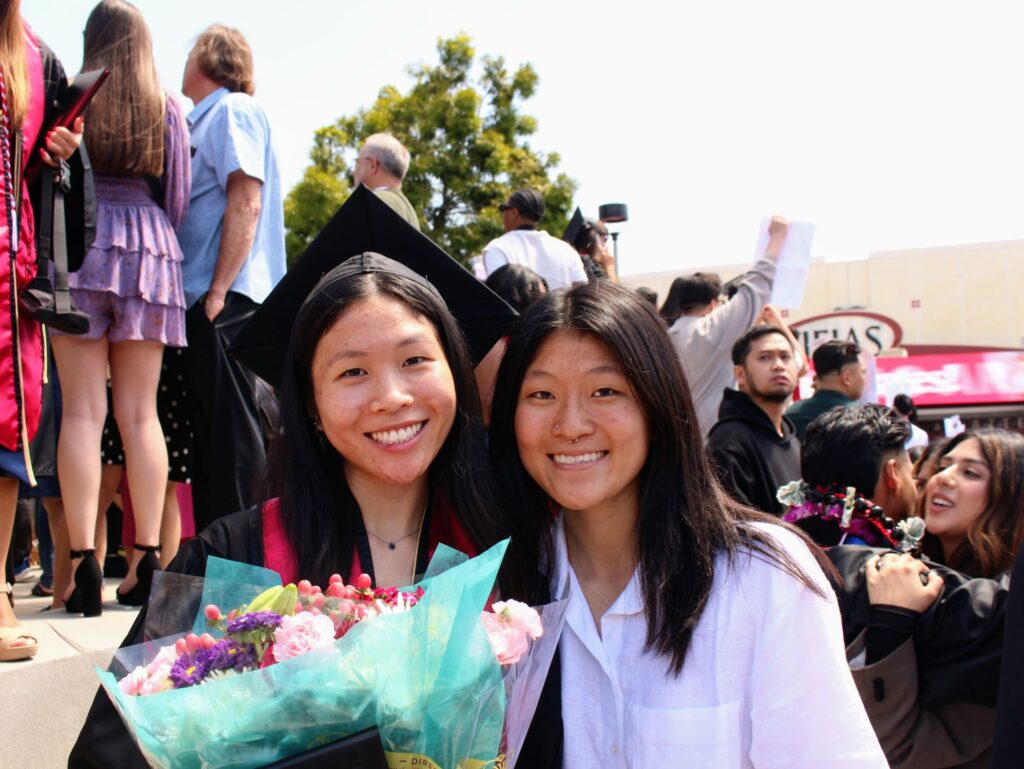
257,620
189,669
228,654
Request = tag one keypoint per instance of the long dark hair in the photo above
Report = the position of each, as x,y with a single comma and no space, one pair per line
995,536
124,124
685,518
320,514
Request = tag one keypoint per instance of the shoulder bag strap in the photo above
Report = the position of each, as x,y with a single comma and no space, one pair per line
61,290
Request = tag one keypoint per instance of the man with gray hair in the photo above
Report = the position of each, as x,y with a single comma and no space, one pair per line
381,166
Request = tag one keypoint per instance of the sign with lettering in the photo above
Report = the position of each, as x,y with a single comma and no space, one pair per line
946,380
870,330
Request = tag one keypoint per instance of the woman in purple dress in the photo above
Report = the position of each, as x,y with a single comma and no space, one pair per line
130,285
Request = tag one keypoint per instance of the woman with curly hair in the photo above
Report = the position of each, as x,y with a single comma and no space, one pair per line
974,503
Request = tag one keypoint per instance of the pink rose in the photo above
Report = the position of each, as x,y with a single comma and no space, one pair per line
301,633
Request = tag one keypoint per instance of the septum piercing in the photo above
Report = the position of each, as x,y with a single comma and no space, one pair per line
576,440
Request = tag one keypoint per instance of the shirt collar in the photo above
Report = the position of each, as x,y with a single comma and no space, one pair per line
825,394
205,105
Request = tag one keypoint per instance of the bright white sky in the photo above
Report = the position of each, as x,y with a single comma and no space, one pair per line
890,123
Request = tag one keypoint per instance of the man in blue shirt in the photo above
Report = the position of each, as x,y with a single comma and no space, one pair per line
233,246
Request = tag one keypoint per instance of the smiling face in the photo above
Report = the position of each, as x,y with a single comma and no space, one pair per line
580,430
957,494
384,393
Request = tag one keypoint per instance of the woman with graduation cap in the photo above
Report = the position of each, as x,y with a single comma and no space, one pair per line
380,449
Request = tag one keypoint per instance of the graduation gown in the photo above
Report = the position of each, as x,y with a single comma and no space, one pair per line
932,700
104,740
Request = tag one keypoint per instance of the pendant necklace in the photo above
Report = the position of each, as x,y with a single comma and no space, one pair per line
392,544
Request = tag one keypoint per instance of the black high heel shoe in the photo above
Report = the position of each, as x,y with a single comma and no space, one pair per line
144,573
87,597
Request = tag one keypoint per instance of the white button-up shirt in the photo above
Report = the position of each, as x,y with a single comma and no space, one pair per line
765,683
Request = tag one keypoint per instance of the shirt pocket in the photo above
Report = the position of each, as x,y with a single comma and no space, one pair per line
702,738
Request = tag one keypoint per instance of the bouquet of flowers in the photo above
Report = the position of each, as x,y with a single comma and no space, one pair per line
290,668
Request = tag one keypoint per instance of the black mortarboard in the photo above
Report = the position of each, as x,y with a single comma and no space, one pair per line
366,224
573,230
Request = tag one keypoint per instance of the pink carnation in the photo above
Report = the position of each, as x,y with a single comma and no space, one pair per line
132,683
509,629
301,633
520,616
152,678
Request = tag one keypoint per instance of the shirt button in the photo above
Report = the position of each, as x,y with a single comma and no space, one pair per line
615,750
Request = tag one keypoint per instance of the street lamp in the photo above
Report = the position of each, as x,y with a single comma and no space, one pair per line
613,213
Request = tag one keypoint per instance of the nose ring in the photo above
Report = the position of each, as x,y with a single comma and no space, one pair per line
577,440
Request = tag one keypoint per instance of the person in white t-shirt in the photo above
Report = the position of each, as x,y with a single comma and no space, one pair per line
523,244
698,632
903,405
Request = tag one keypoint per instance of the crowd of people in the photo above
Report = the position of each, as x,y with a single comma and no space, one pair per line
752,580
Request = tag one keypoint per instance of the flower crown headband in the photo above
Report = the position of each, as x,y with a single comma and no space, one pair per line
852,512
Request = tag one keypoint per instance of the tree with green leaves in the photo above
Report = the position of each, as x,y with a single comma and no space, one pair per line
469,146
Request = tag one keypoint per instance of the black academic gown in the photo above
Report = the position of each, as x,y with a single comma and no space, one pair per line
1009,741
104,741
958,639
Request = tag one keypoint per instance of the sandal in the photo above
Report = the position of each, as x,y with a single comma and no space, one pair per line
9,651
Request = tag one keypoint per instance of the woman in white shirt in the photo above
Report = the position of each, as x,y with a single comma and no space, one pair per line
698,633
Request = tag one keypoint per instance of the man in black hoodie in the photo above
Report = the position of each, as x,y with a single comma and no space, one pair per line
753,443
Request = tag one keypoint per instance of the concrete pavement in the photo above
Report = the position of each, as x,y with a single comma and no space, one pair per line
45,699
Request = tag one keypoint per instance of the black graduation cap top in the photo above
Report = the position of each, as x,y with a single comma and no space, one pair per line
366,224
574,227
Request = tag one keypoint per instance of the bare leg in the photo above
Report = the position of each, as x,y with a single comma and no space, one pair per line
54,507
135,374
82,364
170,525
8,502
101,538
110,480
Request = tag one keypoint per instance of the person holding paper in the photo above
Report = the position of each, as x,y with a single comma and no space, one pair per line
706,328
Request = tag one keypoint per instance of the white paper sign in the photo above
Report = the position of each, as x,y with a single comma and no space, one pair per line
953,426
793,265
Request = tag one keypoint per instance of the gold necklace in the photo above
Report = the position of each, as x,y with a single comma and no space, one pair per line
602,596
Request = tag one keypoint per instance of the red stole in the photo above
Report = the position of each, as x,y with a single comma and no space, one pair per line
279,555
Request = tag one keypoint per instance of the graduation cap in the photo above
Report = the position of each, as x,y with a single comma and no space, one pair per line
573,230
364,224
